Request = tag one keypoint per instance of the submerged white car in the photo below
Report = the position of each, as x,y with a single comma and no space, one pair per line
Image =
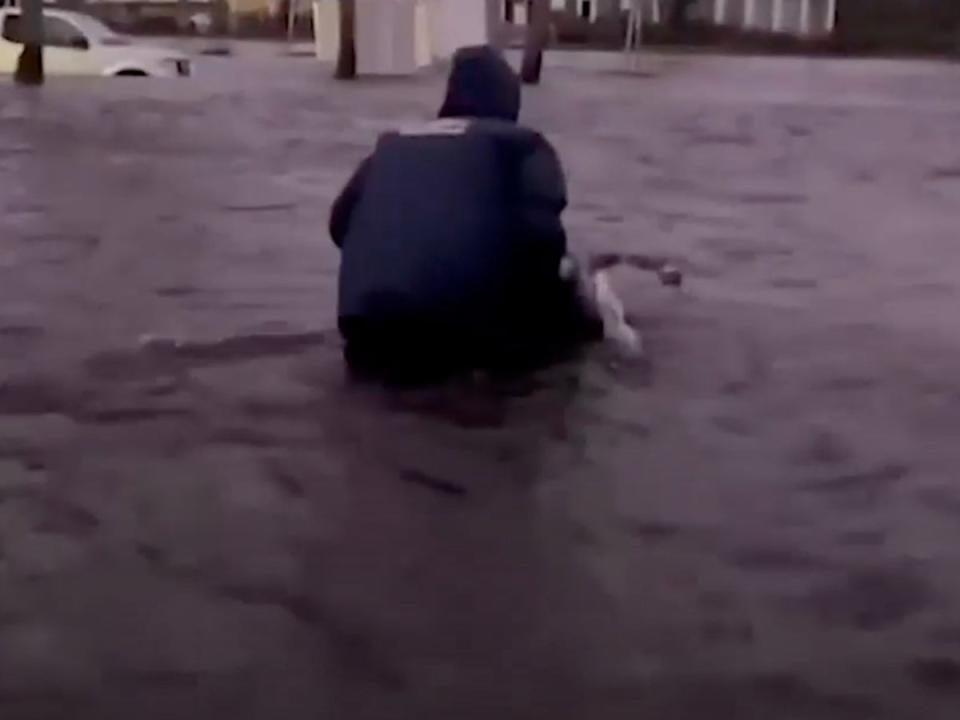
78,44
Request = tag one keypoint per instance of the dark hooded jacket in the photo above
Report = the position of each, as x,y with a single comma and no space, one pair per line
454,225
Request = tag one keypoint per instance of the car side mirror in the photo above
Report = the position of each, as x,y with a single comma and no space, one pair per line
79,43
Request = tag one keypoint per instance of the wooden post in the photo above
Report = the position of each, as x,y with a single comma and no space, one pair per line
634,39
233,18
291,18
538,30
30,63
346,68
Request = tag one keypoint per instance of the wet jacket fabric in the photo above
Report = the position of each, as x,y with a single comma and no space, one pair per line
453,227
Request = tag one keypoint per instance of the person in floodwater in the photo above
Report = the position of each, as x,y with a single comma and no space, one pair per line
454,255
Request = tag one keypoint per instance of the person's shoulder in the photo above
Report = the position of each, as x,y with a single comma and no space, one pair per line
523,139
460,126
504,127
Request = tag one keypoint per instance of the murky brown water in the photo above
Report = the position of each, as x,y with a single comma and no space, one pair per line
202,516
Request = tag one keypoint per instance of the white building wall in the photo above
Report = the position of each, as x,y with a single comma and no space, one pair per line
389,40
458,23
397,37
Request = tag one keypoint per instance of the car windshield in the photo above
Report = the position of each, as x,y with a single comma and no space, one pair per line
95,31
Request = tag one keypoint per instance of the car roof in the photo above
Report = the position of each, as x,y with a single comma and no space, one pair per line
82,19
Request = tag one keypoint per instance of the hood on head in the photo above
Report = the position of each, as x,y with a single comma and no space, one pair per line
482,85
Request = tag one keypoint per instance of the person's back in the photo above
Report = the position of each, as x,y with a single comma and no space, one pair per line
451,233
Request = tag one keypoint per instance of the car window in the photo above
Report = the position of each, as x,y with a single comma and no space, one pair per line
58,32
11,28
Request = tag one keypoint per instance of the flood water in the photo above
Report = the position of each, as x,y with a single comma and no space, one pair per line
202,516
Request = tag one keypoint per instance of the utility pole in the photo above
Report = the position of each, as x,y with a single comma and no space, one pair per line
30,64
538,31
347,53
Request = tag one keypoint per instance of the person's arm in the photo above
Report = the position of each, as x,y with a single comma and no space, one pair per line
543,198
345,203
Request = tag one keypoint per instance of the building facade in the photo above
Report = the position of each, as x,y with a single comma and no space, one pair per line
795,17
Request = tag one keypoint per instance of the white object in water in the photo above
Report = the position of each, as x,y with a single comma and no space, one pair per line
615,325
568,268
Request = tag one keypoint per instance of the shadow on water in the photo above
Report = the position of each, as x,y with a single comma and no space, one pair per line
436,561
453,548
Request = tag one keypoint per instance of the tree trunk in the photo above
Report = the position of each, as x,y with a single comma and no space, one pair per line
347,53
30,64
679,14
538,30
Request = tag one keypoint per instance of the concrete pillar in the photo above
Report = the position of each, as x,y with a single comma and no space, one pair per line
804,17
776,20
326,29
831,21
719,11
520,14
634,26
749,13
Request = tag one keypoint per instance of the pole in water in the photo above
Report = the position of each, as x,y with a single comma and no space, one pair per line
29,70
